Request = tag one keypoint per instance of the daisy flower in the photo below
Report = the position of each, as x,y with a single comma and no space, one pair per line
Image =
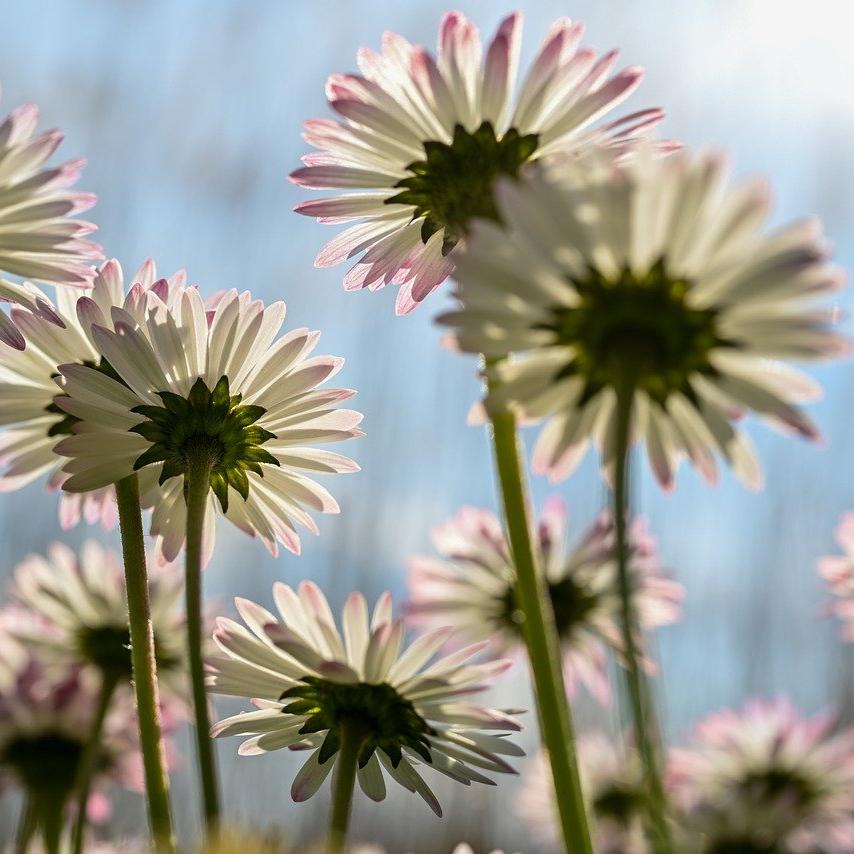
45,719
765,778
312,683
612,782
422,139
182,378
471,586
650,275
838,571
39,240
59,334
79,603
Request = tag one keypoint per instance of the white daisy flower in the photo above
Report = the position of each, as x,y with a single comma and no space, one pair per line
421,140
649,274
39,240
471,586
767,779
182,377
838,572
59,334
80,605
612,781
310,681
45,719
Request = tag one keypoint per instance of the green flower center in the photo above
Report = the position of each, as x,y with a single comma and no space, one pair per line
744,846
620,802
46,762
108,648
771,785
454,183
636,328
213,423
387,720
572,603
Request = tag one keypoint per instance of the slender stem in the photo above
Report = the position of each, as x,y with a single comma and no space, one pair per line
643,710
50,815
89,759
27,824
343,783
541,638
199,464
144,664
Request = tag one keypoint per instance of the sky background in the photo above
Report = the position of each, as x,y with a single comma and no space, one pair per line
189,112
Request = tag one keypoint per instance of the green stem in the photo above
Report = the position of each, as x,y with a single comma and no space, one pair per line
144,664
50,815
27,824
197,485
541,638
343,783
646,731
89,759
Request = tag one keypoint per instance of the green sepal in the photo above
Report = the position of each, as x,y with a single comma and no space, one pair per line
237,478
175,404
331,745
219,485
172,467
246,415
155,454
149,431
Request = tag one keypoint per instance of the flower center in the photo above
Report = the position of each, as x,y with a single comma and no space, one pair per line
387,720
207,422
637,328
619,802
45,762
572,603
454,183
108,648
771,785
743,846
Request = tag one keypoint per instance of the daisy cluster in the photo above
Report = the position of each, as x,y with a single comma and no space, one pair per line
621,292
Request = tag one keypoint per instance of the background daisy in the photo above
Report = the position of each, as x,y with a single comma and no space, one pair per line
470,586
654,275
58,334
769,778
174,364
39,238
422,139
311,681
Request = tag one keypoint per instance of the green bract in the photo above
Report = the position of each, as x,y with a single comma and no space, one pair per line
108,648
206,422
454,184
572,603
386,720
638,330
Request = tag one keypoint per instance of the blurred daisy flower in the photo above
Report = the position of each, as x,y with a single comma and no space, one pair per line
39,239
45,720
765,778
314,685
838,571
471,586
612,781
653,276
422,140
79,614
59,334
176,376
